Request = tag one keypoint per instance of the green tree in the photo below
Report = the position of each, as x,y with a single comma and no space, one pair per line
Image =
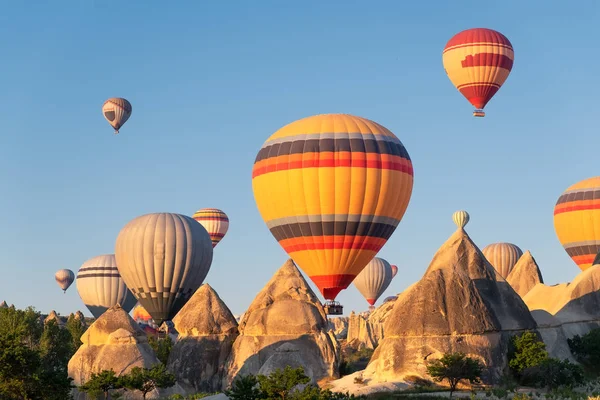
102,383
586,350
162,347
527,350
455,367
18,368
279,383
553,373
56,348
76,329
146,380
244,388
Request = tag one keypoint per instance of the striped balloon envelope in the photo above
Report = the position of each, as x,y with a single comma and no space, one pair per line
577,221
332,189
214,221
116,111
461,218
374,279
394,270
502,256
478,62
64,278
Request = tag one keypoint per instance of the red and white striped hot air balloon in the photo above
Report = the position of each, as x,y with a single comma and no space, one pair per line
478,62
214,221
117,111
394,270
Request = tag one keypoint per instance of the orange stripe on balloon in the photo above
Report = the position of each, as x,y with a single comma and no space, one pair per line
577,206
332,242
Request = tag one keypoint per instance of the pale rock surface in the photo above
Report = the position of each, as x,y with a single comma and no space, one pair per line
575,306
54,317
339,326
460,304
3,304
525,274
285,311
207,330
359,332
114,341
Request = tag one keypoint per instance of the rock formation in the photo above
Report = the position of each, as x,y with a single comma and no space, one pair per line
54,317
359,332
525,274
339,326
3,304
285,313
207,329
114,341
575,306
460,304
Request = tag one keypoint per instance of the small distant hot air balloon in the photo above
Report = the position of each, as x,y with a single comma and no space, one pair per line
163,258
100,286
461,218
141,316
332,189
478,61
394,270
64,278
374,279
502,256
214,221
577,221
117,111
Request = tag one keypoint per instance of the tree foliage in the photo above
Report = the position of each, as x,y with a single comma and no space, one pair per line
586,350
162,347
102,383
527,351
76,328
146,380
552,373
455,367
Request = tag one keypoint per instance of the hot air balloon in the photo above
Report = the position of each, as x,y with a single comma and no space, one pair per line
117,111
163,258
374,279
596,260
64,278
577,221
332,189
460,218
394,270
214,221
478,61
141,316
100,286
502,256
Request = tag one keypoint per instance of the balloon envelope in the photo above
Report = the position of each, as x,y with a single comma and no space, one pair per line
394,270
502,256
577,221
116,111
332,189
461,218
64,278
374,279
100,286
478,62
163,258
214,221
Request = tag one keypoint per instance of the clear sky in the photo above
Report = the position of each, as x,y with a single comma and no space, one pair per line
211,81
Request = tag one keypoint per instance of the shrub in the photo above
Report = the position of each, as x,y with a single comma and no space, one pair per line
162,347
527,350
455,367
553,373
586,350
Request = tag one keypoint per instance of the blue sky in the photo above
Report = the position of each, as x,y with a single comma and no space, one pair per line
211,81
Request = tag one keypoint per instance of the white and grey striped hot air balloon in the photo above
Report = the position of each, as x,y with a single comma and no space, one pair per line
374,279
502,256
215,221
460,218
163,258
116,111
64,278
100,286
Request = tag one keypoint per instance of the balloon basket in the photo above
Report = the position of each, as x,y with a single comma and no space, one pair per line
333,308
478,113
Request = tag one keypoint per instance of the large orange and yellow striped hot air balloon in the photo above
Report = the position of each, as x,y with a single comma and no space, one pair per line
478,61
577,221
332,189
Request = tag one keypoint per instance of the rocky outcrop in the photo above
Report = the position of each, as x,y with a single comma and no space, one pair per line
339,326
3,304
54,317
460,304
285,313
114,341
574,307
207,330
359,332
525,274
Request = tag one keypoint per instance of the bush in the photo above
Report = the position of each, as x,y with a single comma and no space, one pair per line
553,373
146,380
455,367
586,350
162,347
527,350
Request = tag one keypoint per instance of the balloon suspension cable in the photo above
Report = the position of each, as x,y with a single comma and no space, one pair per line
116,131
478,113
